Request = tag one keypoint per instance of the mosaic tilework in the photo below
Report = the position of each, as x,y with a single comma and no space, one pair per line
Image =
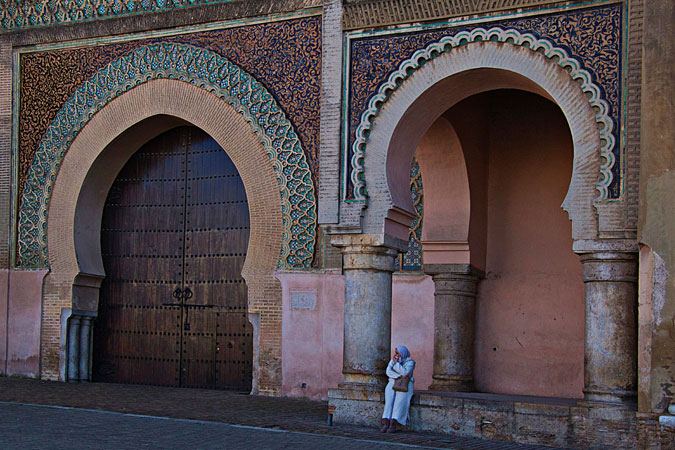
31,13
204,69
590,38
283,56
412,259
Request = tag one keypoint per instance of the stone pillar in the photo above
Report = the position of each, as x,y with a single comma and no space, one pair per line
610,369
367,329
74,348
454,325
85,340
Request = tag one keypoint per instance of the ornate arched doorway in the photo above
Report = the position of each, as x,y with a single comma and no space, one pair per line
174,237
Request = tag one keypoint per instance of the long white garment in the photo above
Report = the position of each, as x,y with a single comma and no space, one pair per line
397,404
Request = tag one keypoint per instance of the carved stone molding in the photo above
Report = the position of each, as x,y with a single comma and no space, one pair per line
375,13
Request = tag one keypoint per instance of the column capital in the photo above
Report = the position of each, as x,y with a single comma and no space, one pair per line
582,246
365,252
454,269
610,266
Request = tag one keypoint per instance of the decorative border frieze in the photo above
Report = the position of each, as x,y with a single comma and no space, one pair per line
204,69
376,13
15,14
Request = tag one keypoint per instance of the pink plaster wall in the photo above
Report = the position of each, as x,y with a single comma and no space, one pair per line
469,123
412,322
312,338
21,306
4,291
530,307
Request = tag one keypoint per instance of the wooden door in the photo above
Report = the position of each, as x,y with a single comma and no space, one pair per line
174,237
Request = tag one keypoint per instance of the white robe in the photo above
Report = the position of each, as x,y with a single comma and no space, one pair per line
397,404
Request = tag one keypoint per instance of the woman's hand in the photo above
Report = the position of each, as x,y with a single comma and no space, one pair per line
397,356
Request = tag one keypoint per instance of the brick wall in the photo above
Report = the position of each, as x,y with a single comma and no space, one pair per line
5,148
331,97
633,88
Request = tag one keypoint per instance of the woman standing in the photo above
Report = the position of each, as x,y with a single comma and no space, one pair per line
397,403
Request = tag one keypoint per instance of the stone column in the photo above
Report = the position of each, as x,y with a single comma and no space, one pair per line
73,348
85,339
610,369
367,311
454,325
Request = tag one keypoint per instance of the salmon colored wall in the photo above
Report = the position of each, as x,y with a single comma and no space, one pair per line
20,318
530,307
311,338
469,122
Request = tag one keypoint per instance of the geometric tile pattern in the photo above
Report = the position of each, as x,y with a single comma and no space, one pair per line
284,56
590,40
204,69
495,34
412,259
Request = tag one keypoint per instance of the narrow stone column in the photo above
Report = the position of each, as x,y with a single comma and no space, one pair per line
610,369
74,348
85,339
454,325
367,329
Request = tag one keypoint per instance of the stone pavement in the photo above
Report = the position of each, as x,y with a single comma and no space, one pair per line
254,421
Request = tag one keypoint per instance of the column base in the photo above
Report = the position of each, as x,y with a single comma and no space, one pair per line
609,395
453,383
356,379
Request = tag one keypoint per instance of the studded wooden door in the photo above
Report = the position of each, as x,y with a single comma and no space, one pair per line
174,238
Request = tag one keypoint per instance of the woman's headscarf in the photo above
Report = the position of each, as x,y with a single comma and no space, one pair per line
404,352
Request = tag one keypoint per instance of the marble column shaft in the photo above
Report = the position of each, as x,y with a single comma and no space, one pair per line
85,340
454,326
367,313
74,348
610,369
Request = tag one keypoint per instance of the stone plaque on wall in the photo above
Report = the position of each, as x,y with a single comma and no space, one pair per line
305,299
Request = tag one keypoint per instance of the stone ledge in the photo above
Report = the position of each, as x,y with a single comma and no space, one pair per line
511,418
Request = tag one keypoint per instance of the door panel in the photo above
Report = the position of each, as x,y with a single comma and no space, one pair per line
216,241
175,218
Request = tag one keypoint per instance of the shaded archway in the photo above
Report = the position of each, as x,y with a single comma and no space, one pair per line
96,156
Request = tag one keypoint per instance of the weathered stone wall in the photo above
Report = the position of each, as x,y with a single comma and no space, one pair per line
656,225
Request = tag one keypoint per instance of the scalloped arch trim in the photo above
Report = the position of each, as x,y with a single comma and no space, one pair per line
201,68
496,34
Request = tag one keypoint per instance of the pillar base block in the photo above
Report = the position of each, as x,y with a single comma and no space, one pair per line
363,380
452,383
601,395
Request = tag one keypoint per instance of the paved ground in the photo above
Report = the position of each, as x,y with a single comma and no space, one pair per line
98,416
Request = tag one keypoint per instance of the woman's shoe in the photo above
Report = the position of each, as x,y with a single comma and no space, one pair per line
385,425
392,426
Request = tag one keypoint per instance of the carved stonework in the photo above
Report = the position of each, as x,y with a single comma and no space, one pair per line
24,14
412,259
363,14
